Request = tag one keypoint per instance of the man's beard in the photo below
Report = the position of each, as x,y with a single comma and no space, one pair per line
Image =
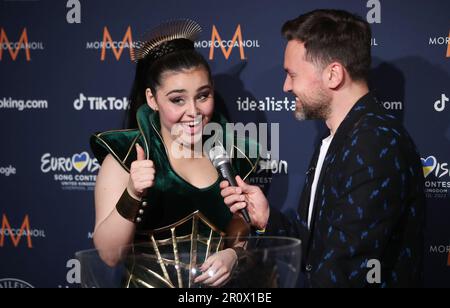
314,107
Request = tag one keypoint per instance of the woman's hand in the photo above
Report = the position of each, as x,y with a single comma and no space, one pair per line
142,175
218,268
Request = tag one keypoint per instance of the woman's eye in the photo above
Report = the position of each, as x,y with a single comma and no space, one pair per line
177,100
203,97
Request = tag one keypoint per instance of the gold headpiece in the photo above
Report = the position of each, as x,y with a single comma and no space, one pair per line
167,38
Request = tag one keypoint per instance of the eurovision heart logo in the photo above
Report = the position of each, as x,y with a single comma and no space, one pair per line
80,161
429,165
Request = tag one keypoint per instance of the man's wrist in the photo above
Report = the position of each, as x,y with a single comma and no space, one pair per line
261,229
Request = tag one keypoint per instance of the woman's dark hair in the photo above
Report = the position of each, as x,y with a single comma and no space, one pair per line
149,73
334,35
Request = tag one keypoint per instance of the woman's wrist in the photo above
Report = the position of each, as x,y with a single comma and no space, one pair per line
130,208
133,193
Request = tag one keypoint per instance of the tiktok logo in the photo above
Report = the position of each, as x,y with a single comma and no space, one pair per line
439,105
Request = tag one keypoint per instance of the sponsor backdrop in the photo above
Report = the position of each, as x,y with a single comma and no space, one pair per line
65,72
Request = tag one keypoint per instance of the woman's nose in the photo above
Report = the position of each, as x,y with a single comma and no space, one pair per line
192,109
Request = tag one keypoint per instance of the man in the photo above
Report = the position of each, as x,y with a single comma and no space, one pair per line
363,198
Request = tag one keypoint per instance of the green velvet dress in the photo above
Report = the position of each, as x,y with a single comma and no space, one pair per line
171,198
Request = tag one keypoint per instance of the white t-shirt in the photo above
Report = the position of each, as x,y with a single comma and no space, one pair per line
323,153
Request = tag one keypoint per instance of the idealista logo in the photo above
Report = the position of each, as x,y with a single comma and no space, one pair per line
100,103
73,173
441,41
117,47
237,41
437,178
12,283
14,47
16,234
440,104
267,104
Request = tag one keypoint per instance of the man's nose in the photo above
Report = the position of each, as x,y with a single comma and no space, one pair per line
287,87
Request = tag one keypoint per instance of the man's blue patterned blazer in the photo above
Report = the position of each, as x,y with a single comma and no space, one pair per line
369,204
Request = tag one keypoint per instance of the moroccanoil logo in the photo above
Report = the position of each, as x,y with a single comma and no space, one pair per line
448,46
117,47
441,41
14,47
16,234
227,46
441,249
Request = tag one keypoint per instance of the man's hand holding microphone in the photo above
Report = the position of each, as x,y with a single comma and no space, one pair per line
248,197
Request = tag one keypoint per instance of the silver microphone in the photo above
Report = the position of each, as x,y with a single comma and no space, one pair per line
221,161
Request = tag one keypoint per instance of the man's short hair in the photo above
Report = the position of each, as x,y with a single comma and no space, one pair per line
334,35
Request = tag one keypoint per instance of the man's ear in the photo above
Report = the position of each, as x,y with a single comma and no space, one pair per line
334,75
151,100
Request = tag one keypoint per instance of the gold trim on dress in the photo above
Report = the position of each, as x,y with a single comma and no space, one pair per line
113,153
131,148
173,262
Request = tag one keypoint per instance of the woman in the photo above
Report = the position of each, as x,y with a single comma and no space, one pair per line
157,174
